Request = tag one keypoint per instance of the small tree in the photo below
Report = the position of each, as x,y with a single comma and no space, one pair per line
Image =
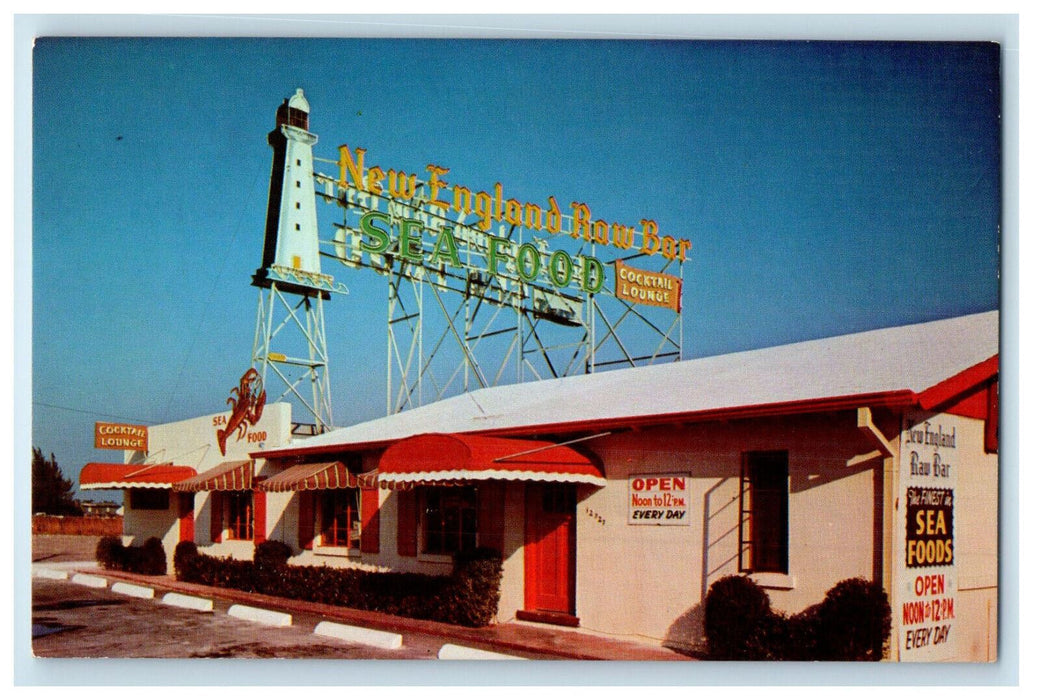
51,491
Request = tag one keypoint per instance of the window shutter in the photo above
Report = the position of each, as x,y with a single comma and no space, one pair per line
406,524
259,516
186,515
216,515
491,518
305,527
370,520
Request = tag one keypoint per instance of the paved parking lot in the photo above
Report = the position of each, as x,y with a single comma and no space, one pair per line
72,620
76,621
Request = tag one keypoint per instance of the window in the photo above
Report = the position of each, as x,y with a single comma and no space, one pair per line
340,518
149,499
449,519
763,512
240,515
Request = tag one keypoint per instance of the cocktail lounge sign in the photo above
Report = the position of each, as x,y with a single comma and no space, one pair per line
530,260
120,436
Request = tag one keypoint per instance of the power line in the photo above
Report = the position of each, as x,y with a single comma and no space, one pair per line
216,281
91,413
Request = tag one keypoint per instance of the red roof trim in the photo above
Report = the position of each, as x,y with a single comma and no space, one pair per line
895,399
959,384
889,399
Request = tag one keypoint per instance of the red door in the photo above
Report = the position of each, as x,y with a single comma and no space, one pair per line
186,516
549,553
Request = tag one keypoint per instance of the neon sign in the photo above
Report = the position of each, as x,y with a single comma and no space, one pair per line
401,237
527,259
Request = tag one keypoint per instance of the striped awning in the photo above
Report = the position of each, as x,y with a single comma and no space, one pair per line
227,476
316,476
444,459
98,475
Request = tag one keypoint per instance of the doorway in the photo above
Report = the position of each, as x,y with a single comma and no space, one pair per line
549,554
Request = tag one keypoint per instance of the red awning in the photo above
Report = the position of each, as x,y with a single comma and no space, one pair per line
98,475
442,459
227,476
315,476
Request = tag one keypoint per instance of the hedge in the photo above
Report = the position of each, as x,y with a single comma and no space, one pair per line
468,596
852,623
149,559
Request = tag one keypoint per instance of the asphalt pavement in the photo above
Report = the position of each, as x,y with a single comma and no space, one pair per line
82,610
78,621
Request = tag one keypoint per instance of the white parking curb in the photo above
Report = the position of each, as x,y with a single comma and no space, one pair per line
360,635
186,601
55,574
453,652
263,617
91,581
132,590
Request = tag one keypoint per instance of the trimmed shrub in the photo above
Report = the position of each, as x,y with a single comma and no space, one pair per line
185,555
149,559
271,553
152,558
469,596
854,622
800,636
108,551
736,617
476,578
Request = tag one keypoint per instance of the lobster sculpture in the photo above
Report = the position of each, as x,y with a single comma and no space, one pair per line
247,405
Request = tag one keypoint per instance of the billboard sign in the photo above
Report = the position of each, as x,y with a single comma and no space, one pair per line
120,436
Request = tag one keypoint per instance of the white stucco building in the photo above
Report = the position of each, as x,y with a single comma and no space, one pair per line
616,499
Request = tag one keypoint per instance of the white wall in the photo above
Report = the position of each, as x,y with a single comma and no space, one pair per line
140,525
972,579
649,581
193,442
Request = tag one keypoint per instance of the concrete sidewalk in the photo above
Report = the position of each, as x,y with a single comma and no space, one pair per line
507,638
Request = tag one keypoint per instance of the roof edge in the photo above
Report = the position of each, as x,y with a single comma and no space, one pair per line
961,383
891,399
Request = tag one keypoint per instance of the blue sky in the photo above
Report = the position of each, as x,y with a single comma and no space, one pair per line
827,188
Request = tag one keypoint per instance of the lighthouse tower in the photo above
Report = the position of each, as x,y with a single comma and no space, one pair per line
290,328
